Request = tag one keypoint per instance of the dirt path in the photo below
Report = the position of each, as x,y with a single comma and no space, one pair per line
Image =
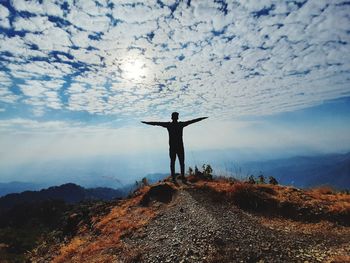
195,228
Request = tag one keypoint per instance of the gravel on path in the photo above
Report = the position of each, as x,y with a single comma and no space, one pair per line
196,228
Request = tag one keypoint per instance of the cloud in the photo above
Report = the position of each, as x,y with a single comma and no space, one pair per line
50,140
26,140
33,24
4,13
226,59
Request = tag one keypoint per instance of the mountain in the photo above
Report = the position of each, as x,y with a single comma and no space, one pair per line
17,187
69,193
220,220
306,171
209,221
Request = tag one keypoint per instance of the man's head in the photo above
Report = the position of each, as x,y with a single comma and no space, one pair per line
175,116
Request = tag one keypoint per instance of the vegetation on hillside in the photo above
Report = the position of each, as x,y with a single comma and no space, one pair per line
312,205
26,225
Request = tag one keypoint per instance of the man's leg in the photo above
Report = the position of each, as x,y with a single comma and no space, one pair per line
172,155
181,155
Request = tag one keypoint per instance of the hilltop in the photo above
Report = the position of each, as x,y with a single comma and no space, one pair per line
209,221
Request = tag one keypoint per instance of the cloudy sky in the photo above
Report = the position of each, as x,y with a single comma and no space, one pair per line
76,77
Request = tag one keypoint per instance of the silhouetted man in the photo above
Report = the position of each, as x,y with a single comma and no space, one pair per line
176,146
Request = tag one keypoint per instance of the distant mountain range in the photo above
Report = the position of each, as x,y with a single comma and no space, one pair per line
300,171
306,171
18,187
69,193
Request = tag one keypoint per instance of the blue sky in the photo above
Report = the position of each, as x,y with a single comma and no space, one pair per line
77,77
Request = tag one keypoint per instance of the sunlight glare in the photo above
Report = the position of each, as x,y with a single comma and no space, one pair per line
134,70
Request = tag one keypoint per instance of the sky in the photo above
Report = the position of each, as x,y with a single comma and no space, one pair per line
77,77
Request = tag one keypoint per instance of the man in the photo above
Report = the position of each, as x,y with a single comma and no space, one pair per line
176,146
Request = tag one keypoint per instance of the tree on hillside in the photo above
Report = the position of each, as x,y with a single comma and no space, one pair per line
205,174
261,179
196,170
144,181
251,179
272,180
207,171
190,171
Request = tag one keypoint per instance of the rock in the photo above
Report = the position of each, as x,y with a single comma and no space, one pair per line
161,193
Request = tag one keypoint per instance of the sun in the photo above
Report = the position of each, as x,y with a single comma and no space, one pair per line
134,70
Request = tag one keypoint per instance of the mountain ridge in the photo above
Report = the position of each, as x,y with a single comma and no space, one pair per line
69,193
18,187
306,171
218,220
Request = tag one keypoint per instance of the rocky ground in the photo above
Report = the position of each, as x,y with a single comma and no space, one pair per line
196,228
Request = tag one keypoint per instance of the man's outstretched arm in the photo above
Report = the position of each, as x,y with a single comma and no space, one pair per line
156,123
193,121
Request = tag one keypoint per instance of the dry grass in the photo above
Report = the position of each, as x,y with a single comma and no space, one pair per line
336,202
314,205
339,259
68,250
324,190
100,244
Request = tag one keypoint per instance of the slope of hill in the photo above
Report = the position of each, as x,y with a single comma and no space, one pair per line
27,217
307,171
211,221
